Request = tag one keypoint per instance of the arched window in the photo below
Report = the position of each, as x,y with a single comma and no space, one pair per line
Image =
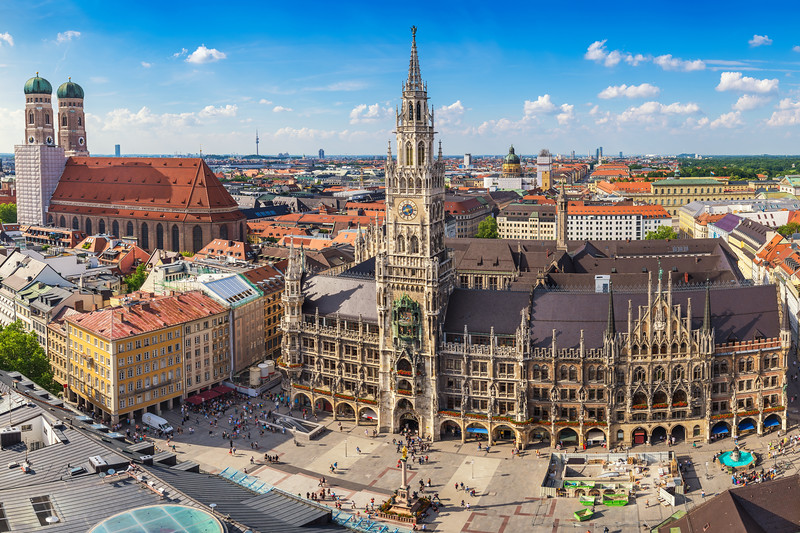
401,244
419,113
545,372
145,237
421,154
638,374
409,154
197,239
601,374
658,373
30,118
75,224
101,226
741,365
536,373
159,236
749,364
129,229
592,373
176,239
115,229
223,231
413,246
411,111
63,120
723,367
573,373
677,373
62,223
563,372
80,121
620,397
88,226
47,118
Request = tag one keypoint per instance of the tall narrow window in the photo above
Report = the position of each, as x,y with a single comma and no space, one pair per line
63,120
421,154
409,154
30,118
419,114
47,118
410,111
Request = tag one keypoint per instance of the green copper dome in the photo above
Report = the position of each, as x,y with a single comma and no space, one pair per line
511,158
70,89
37,85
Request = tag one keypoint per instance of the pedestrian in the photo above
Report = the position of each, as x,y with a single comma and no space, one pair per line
647,503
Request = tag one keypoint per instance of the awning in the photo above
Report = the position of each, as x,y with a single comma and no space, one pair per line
222,389
744,426
771,422
208,395
478,430
720,429
194,400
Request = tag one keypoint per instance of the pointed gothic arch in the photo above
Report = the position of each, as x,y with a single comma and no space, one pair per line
62,223
159,236
89,226
64,120
413,246
409,154
421,154
176,238
197,239
115,229
129,229
75,223
223,231
419,112
101,227
145,237
411,111
400,244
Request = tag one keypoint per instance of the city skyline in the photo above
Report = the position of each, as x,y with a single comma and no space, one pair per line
700,81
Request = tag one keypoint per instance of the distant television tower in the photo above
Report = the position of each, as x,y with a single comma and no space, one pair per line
256,142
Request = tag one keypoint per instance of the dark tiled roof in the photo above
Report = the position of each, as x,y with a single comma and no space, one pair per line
481,310
350,297
739,313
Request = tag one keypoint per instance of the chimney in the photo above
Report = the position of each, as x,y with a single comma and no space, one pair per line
146,307
78,306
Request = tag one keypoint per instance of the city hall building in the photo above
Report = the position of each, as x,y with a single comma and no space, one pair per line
529,341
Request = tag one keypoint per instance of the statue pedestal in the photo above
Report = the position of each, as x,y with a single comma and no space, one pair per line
405,504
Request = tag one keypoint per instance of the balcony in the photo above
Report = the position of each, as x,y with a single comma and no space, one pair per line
148,389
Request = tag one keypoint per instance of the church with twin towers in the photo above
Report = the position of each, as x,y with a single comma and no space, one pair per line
578,343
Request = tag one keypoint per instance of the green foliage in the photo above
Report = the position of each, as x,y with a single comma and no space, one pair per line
487,229
664,232
741,167
787,230
8,213
20,351
187,254
136,280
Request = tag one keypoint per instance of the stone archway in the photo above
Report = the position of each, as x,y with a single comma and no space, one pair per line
323,404
638,436
678,433
476,431
720,430
772,422
503,434
539,436
567,437
345,411
409,421
450,430
746,426
367,415
658,435
595,437
301,400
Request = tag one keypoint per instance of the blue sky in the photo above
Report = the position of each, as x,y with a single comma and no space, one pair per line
655,77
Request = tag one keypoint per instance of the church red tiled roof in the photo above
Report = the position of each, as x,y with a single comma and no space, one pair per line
167,189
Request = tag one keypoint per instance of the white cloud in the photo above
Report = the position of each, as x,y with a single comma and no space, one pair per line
734,81
305,133
122,119
281,109
727,120
66,36
667,62
264,101
598,53
645,90
542,105
145,64
656,112
182,52
9,40
98,79
567,114
759,40
746,102
796,48
205,55
221,111
369,113
450,114
788,114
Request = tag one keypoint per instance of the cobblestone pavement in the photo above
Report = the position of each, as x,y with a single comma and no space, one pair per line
507,487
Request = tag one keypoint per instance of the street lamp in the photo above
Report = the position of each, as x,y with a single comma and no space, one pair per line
473,468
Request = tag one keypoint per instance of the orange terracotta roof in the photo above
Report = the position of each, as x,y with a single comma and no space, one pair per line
647,211
170,189
150,315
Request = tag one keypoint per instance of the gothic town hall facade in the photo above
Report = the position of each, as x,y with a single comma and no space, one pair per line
657,352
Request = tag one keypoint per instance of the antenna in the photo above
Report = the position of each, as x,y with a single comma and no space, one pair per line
256,142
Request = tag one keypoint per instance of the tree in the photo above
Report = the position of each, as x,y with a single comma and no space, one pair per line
8,213
787,230
664,232
136,280
20,352
487,229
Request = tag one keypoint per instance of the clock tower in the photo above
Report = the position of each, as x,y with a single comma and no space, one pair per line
414,271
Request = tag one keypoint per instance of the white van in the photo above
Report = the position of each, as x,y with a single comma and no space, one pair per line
156,422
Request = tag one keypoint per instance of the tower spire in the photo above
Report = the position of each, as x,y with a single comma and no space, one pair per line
414,82
707,311
611,326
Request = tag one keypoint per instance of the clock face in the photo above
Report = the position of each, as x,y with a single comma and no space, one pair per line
30,140
407,210
49,140
81,141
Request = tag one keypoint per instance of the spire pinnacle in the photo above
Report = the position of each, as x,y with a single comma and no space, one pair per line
611,326
414,82
707,311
